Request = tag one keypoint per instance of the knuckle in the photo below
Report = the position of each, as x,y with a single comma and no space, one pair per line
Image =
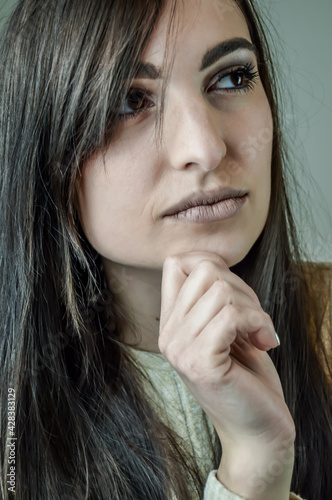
230,314
223,288
172,261
220,262
259,319
206,267
255,319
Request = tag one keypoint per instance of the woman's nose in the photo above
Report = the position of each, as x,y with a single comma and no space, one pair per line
192,134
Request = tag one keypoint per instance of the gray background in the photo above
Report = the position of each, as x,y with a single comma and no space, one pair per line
303,35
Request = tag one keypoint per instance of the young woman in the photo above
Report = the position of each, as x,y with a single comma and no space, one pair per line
148,258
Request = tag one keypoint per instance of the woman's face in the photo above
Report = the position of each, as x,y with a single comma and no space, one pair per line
151,196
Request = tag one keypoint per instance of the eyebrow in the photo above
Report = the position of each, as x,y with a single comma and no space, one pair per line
225,48
151,72
147,70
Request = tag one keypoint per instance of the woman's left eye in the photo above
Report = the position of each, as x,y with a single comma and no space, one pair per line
239,79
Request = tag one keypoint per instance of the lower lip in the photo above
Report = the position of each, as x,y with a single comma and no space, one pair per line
210,213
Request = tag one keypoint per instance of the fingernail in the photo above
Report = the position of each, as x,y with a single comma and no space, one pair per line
277,338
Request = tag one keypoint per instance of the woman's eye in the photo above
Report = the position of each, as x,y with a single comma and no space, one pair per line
233,80
241,79
137,100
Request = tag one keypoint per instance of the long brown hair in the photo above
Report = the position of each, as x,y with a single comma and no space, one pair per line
84,427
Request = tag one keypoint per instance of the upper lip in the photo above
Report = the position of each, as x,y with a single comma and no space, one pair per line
201,198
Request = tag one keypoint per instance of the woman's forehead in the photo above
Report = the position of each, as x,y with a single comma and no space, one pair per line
196,26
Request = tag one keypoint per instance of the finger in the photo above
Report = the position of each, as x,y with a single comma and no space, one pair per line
193,260
219,295
201,279
232,322
176,270
190,275
181,329
173,277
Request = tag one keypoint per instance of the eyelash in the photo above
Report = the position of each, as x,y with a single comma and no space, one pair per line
248,70
143,94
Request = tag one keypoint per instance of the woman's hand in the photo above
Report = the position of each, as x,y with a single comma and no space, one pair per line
215,334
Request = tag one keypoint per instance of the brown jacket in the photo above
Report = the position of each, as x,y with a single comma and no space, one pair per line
319,278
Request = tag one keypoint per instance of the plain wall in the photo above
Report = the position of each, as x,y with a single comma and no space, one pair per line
304,34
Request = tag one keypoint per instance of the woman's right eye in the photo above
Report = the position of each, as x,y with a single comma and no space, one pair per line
137,101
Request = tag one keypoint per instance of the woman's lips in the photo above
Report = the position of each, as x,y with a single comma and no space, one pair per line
210,213
211,207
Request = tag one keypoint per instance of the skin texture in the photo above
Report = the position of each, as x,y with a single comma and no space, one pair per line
179,271
206,143
215,334
124,194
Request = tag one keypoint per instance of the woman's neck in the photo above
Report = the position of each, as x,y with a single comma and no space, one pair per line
138,290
